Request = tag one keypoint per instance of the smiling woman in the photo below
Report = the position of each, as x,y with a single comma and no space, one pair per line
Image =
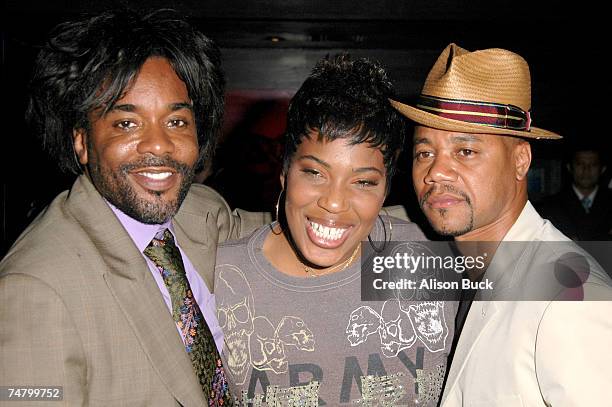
288,297
334,192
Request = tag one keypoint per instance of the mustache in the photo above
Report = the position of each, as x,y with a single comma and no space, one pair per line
442,188
152,161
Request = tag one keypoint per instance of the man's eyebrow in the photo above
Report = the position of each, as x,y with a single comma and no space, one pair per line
127,107
123,108
312,157
181,105
421,140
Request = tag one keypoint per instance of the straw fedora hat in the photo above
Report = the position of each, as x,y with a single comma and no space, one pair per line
486,91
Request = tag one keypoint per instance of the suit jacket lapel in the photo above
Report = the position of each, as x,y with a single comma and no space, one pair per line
481,313
136,293
193,236
505,263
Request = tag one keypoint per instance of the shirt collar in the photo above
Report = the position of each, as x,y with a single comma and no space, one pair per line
140,233
525,226
591,196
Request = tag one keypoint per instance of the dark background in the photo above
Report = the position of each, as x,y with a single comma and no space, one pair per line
269,47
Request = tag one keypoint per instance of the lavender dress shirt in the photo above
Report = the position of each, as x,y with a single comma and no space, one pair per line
142,234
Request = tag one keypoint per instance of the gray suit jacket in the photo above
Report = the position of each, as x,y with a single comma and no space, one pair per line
80,309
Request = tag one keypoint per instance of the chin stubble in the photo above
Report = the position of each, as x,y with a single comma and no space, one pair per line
444,229
115,187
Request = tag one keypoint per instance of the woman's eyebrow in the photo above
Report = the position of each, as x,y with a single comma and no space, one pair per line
312,157
367,169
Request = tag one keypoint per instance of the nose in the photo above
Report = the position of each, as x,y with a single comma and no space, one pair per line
441,170
156,140
334,199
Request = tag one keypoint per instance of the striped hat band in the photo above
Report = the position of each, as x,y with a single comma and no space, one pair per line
483,113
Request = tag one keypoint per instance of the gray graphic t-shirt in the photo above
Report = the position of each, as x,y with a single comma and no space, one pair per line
312,340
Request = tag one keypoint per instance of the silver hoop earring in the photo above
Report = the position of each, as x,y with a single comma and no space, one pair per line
390,225
381,249
278,203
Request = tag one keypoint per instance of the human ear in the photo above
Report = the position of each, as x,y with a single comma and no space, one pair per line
79,142
282,180
522,159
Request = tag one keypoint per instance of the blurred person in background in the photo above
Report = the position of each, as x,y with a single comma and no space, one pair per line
583,208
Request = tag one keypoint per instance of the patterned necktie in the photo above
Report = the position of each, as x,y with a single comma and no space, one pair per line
586,203
198,339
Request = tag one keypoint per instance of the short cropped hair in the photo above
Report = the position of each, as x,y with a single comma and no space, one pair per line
346,98
90,64
580,144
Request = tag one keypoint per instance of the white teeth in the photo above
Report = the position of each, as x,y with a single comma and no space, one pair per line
327,232
156,175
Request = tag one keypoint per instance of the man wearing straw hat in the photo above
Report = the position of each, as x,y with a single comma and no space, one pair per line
471,157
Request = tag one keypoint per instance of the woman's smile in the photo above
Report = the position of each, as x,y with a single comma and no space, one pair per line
327,234
334,192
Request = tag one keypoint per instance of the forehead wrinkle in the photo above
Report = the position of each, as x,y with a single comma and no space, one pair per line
466,138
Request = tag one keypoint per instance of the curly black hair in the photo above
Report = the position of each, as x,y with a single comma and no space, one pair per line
89,64
346,98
